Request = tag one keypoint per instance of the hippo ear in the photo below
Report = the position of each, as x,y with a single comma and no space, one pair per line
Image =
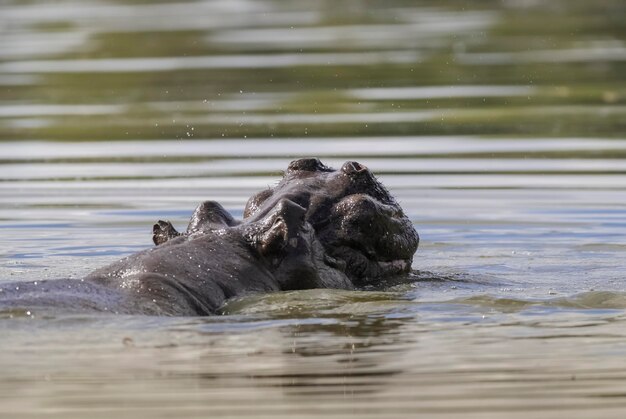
163,231
280,228
210,215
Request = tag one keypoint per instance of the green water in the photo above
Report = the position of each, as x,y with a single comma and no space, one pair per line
499,126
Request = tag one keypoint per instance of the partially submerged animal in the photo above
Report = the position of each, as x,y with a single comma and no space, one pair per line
317,228
361,226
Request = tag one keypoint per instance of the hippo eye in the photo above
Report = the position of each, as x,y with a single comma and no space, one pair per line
307,165
353,168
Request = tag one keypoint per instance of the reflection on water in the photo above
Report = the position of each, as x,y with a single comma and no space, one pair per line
499,126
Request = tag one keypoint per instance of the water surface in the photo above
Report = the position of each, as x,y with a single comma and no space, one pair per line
499,126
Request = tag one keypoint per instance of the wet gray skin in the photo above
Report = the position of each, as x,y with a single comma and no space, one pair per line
363,230
195,273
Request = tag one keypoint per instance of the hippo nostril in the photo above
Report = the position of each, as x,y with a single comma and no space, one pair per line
352,167
308,165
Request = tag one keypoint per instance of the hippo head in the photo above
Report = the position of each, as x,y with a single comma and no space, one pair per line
344,223
361,227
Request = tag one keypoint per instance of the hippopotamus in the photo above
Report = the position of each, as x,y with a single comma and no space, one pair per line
317,228
363,229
